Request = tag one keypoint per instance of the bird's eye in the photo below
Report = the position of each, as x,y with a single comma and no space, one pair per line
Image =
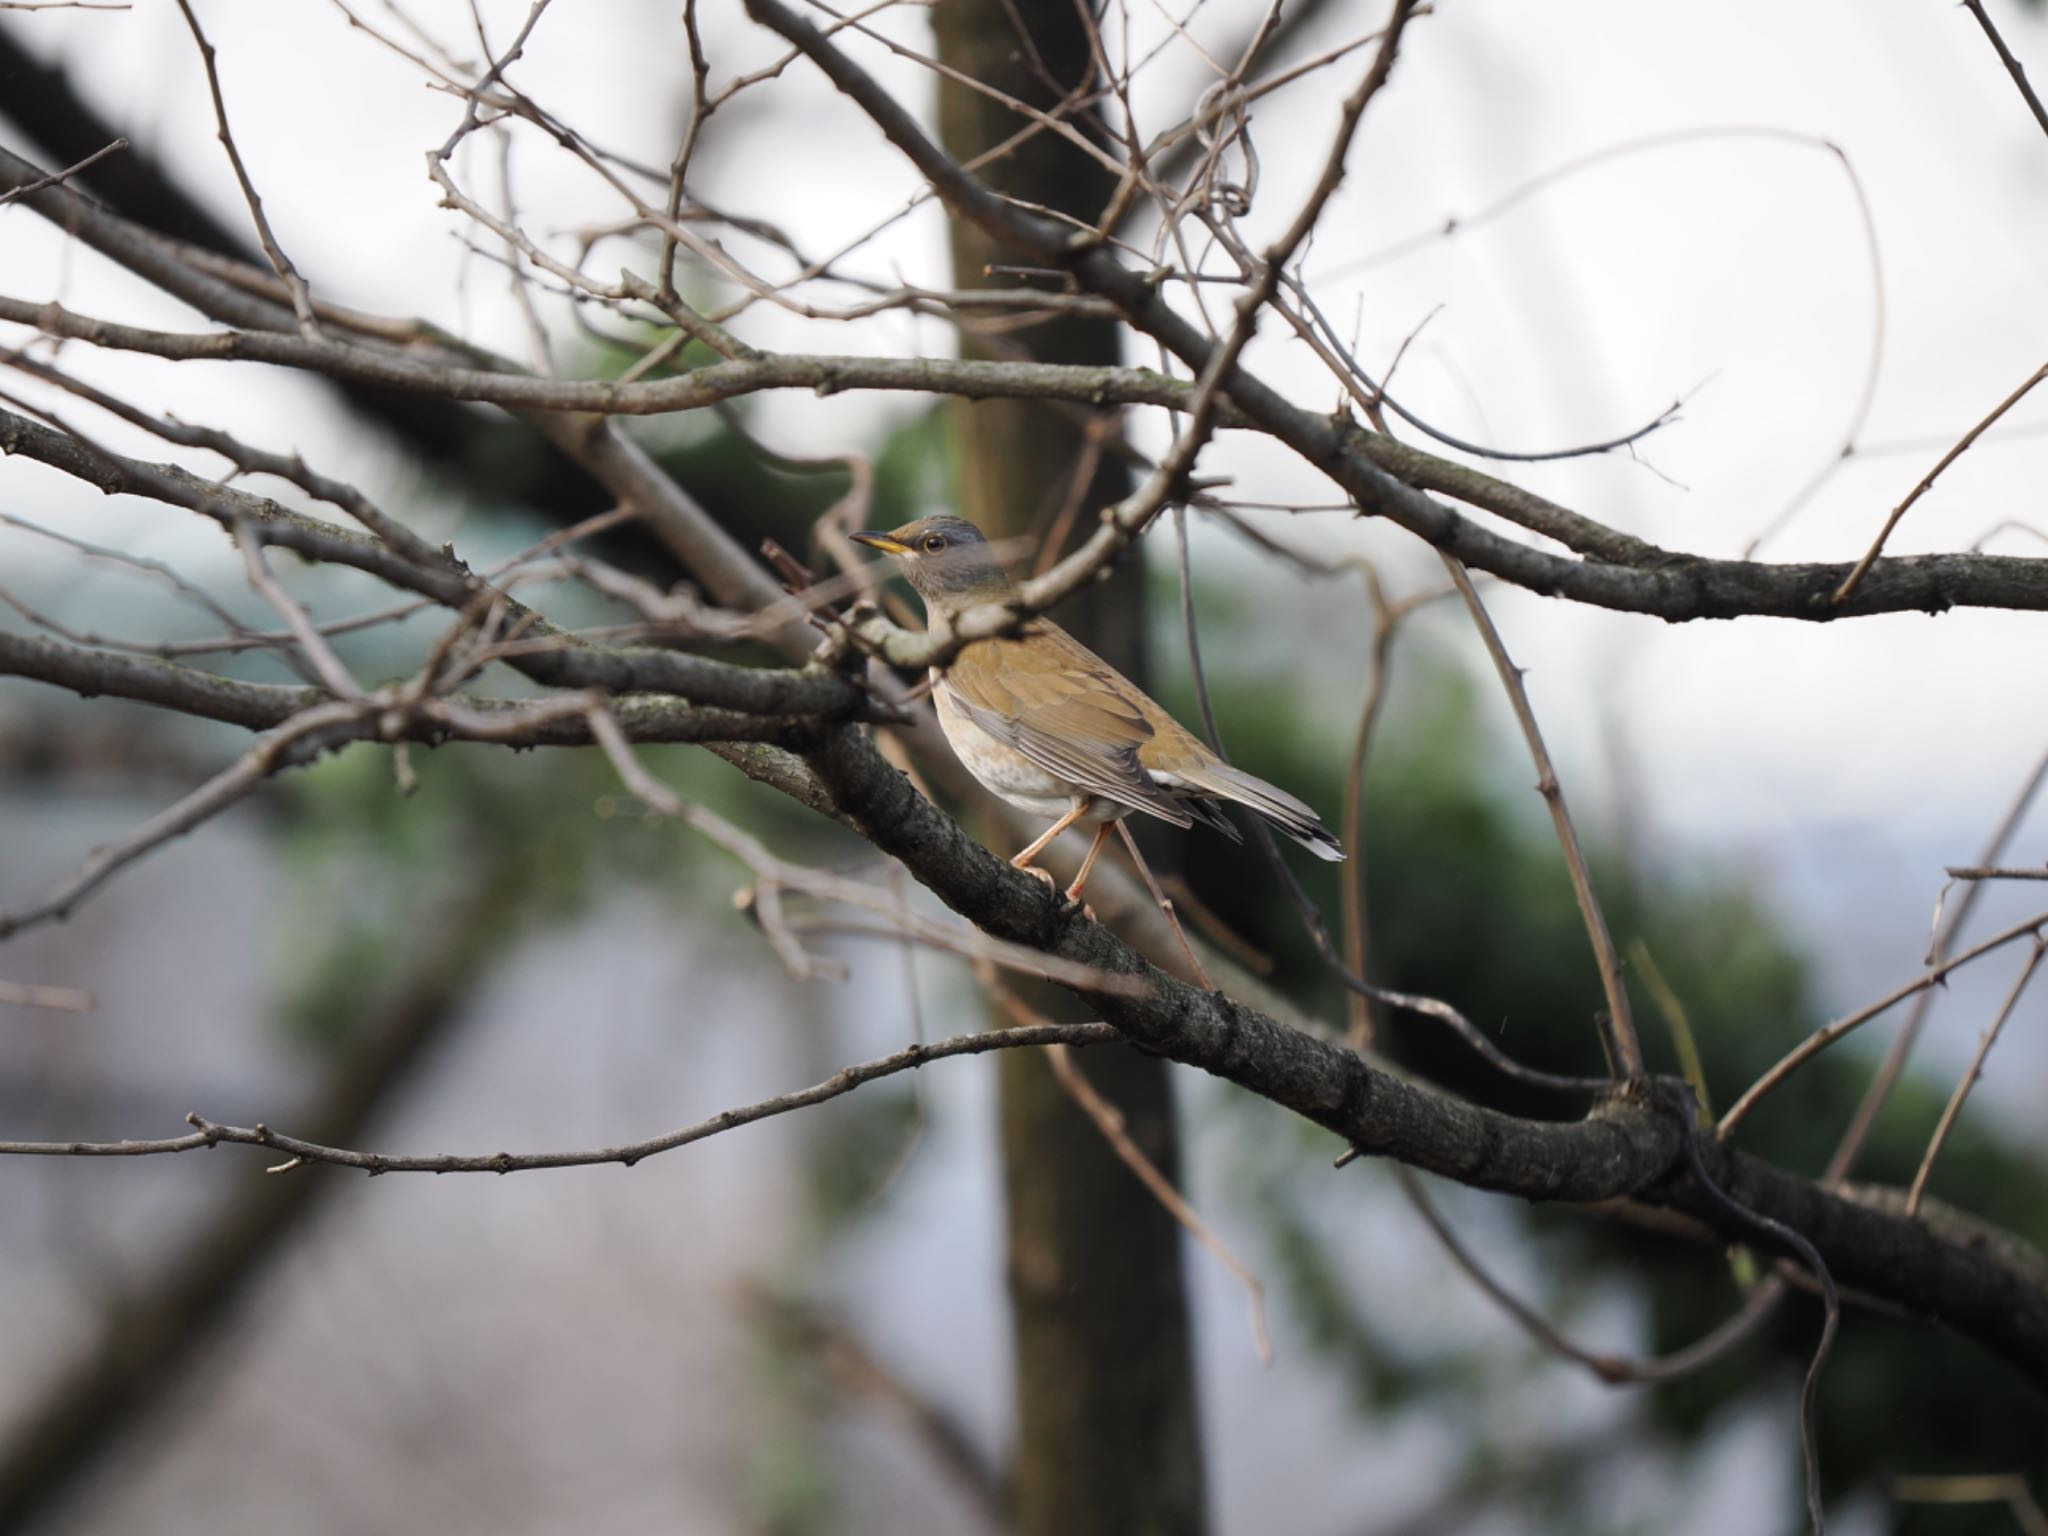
934,542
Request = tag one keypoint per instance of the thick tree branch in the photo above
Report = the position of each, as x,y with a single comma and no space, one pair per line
644,716
1981,1283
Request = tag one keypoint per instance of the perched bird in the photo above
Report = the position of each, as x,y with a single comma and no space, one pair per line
1054,729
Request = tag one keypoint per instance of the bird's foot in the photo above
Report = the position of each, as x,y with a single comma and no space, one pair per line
1039,874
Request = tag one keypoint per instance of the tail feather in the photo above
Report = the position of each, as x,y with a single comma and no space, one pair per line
1297,819
1210,814
1314,836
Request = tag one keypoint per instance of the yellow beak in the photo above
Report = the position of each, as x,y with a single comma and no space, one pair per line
881,541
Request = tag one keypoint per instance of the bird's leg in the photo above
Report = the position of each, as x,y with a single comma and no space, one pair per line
1023,860
1101,836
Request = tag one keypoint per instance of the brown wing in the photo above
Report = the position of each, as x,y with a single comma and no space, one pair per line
1064,708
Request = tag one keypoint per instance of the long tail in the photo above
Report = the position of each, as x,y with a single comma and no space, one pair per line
1290,815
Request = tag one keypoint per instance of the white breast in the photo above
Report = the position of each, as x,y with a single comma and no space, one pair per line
1001,769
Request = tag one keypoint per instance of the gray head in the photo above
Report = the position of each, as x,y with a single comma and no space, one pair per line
947,560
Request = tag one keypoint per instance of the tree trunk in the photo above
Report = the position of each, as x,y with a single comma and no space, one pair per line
1108,1437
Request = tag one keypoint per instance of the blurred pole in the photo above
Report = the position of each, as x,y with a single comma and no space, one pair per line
1108,1436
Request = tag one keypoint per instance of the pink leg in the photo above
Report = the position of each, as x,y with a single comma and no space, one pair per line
1101,836
1023,860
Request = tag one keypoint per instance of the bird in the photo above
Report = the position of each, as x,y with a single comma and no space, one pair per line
1046,724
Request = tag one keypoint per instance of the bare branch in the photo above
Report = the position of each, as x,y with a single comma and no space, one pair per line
1708,587
1954,1108
1617,1030
1879,1091
309,730
207,1133
1994,872
333,674
2012,65
1633,1144
56,178
1615,1370
1828,1034
301,301
1962,446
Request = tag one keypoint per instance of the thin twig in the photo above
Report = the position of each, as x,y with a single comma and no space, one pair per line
334,676
1962,445
1828,1034
207,1133
288,274
1314,327
1166,907
69,171
1615,1370
1218,932
163,571
1894,1064
291,468
1618,1031
920,1114
2012,65
1386,623
232,784
701,107
861,1377
1679,1023
1954,1108
1993,872
774,875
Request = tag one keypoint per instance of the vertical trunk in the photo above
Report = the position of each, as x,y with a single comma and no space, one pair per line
1108,1434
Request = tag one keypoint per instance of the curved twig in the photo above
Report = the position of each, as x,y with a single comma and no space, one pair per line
1828,1034
1617,1030
208,1133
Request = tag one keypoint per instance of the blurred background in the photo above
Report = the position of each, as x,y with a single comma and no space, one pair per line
1820,226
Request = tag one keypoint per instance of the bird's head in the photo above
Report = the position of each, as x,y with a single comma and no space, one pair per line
946,559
